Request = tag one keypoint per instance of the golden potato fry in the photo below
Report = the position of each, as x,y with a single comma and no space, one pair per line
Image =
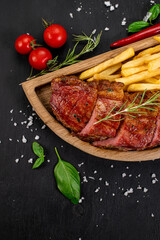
106,77
142,87
130,71
140,61
108,71
153,65
157,38
152,80
138,77
113,61
149,51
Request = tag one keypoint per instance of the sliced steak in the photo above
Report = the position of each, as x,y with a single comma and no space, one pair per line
134,133
110,95
73,101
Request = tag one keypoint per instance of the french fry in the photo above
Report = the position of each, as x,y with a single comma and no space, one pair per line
152,80
138,77
140,61
152,50
130,71
101,67
108,71
103,76
142,87
153,65
157,38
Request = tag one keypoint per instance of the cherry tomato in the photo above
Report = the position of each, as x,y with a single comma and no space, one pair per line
23,44
39,57
55,36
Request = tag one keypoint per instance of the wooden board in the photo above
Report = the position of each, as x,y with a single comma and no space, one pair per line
38,93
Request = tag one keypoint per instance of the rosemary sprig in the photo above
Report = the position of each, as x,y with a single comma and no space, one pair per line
71,56
132,108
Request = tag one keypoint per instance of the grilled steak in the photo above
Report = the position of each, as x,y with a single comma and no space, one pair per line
134,133
110,95
79,105
73,101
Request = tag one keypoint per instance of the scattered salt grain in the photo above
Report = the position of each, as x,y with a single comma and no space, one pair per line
37,137
79,9
112,8
128,192
71,15
124,175
80,164
139,187
95,172
94,31
85,179
153,175
11,111
152,215
81,199
0,141
30,123
11,119
43,127
15,124
30,160
106,29
97,190
100,199
100,179
91,178
107,3
17,160
130,175
117,5
112,166
147,16
123,22
22,156
106,183
48,160
113,194
24,140
145,190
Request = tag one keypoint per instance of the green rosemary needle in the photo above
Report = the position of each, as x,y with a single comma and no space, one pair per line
132,108
72,57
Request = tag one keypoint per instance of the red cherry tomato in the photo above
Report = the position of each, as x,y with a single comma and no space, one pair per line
55,36
23,44
39,57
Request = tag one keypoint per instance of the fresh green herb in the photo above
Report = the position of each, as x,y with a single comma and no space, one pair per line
138,26
153,13
72,57
110,90
39,151
130,109
68,180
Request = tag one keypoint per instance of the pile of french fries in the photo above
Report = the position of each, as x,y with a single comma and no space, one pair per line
139,73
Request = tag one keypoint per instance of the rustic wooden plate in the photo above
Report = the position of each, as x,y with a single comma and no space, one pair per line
38,93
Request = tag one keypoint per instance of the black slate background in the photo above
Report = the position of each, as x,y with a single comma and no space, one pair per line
31,207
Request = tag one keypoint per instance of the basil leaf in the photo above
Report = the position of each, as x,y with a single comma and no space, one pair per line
155,10
38,149
138,26
68,180
38,162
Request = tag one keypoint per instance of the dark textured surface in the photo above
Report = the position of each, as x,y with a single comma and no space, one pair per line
30,205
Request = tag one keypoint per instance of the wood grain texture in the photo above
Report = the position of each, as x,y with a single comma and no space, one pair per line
38,93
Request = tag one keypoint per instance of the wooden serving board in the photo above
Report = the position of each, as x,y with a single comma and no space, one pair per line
38,93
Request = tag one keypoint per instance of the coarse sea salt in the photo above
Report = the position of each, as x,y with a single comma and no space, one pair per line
129,191
71,15
107,3
112,8
24,140
123,22
30,160
124,175
94,31
97,190
106,29
43,127
37,137
17,160
106,183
